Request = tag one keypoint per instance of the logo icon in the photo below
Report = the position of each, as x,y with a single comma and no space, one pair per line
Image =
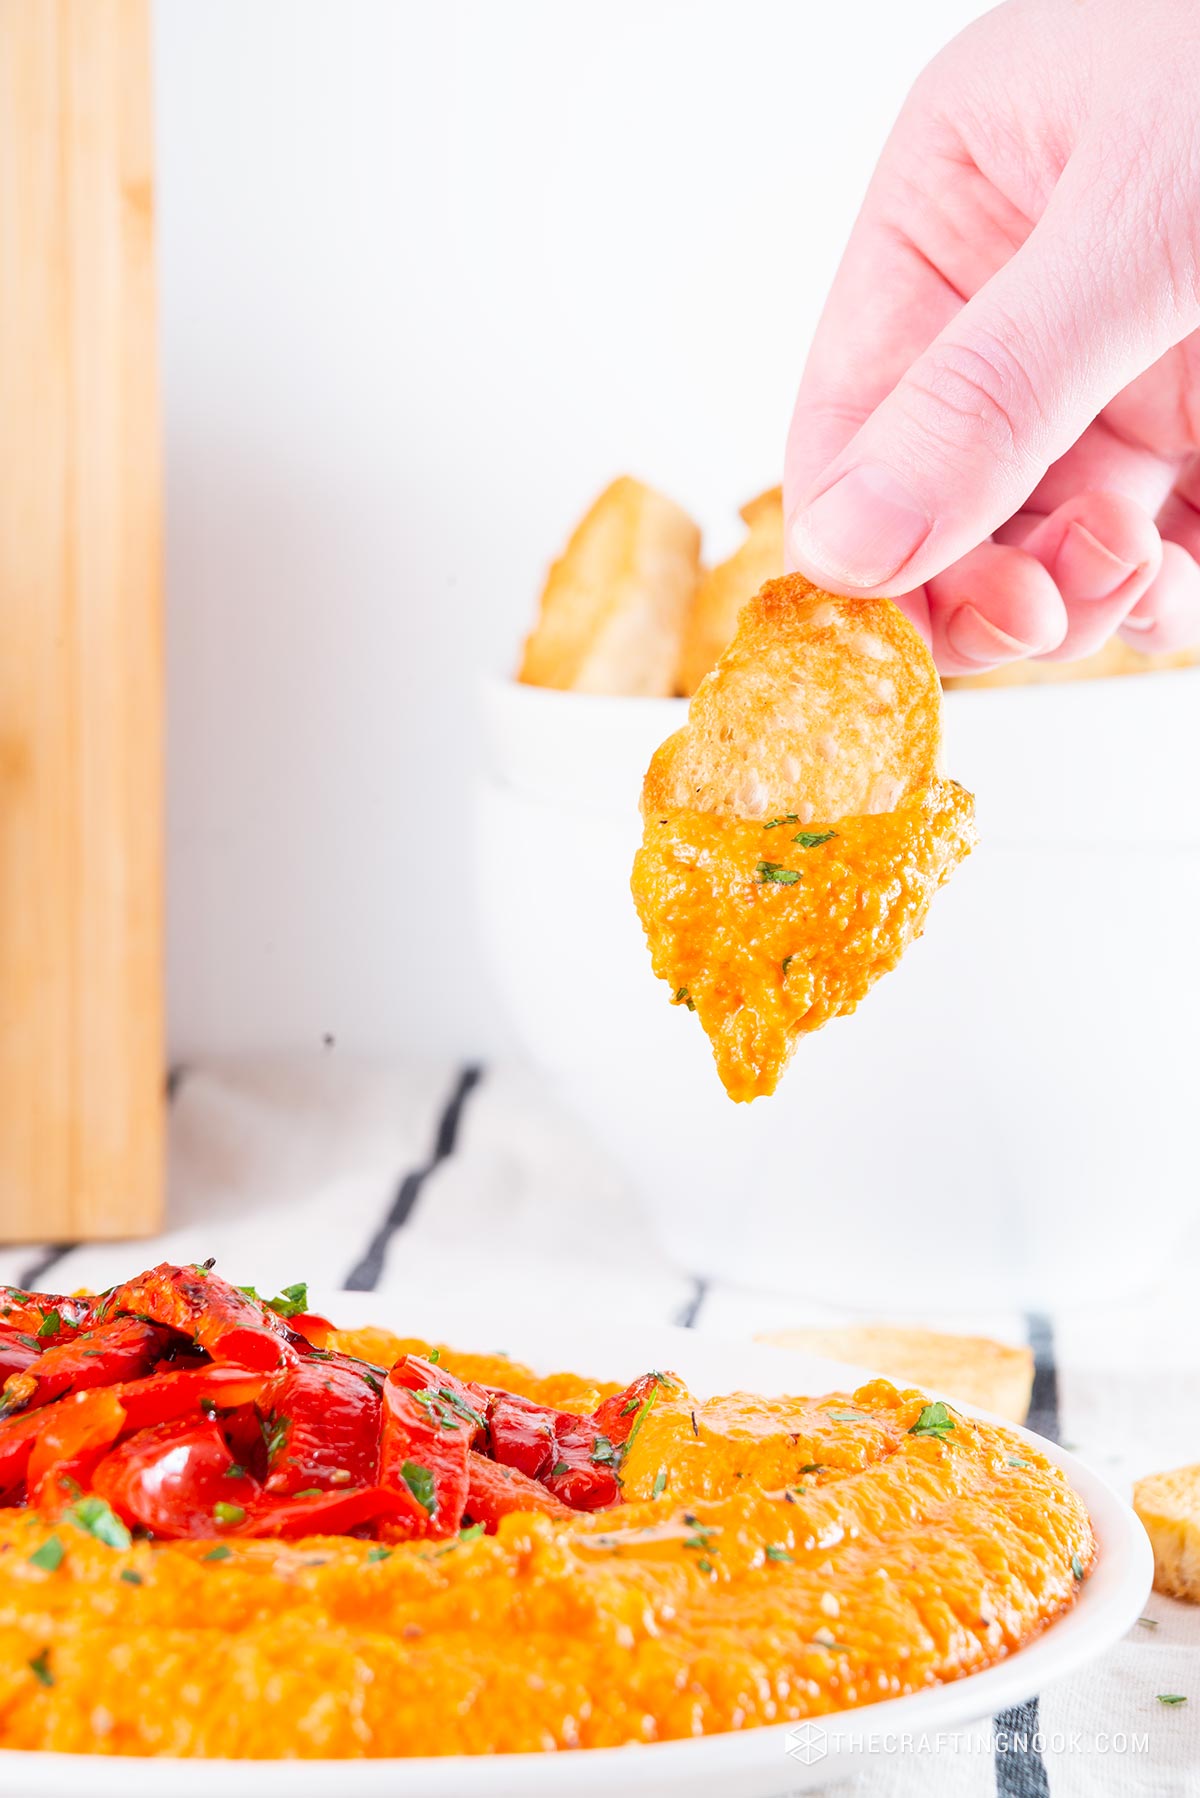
807,1743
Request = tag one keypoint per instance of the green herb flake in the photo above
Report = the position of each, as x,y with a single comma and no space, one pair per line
705,1566
472,1533
379,1553
419,1481
683,997
1077,1567
234,1472
275,1434
935,1420
51,1324
220,1553
774,823
774,871
1163,1697
809,839
786,963
813,1467
98,1519
774,1553
228,1515
311,1492
435,1356
132,1577
559,1468
1015,1461
660,1483
603,1453
292,1301
49,1557
1148,1622
39,1666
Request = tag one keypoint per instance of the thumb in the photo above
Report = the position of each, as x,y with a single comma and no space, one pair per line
1082,308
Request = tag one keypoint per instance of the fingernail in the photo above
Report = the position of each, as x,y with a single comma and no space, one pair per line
974,638
1085,569
861,531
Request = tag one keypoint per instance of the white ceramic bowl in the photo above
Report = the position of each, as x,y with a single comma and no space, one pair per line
999,1116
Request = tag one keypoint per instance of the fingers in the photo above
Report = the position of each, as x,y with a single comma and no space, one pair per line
1008,385
1103,553
1168,615
996,604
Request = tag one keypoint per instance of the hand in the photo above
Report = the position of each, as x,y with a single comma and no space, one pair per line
1000,415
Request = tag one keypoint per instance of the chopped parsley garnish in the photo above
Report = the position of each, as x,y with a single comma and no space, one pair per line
935,1420
774,871
773,823
660,1483
234,1472
1015,1461
275,1434
292,1300
435,1356
227,1515
683,997
559,1468
96,1518
39,1666
419,1481
705,1566
472,1533
786,963
603,1453
808,839
219,1553
774,1553
311,1492
132,1577
379,1553
373,1381
49,1556
51,1324
813,1467
1076,1566
1148,1622
849,1416
1163,1697
448,1396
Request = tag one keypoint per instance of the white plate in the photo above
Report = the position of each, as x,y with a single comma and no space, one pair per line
755,1763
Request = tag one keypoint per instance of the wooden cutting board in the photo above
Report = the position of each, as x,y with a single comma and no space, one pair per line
80,627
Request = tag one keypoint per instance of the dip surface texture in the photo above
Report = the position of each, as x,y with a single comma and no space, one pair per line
774,1559
769,929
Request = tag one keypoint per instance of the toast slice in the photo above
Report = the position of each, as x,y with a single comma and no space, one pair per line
1169,1507
996,1376
613,607
713,614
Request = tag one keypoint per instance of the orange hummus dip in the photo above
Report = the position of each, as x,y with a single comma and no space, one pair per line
774,1559
768,931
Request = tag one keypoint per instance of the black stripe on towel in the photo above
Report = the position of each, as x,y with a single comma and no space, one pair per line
689,1311
35,1273
1020,1769
365,1275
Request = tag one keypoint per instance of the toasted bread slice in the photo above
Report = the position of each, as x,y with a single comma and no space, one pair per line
613,607
821,707
723,591
1169,1507
993,1375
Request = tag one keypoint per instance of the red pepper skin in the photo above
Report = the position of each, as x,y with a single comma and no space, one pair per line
227,1323
75,1433
28,1311
431,1419
616,1417
120,1350
171,1477
16,1351
17,1437
335,1513
494,1491
334,1415
314,1328
522,1433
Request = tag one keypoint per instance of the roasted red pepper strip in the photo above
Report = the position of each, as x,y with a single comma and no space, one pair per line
177,1479
120,1350
17,1437
522,1433
493,1492
570,1454
326,1426
336,1512
315,1329
430,1421
17,1350
31,1312
74,1435
227,1323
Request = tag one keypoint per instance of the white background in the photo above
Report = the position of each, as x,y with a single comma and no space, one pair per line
432,272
